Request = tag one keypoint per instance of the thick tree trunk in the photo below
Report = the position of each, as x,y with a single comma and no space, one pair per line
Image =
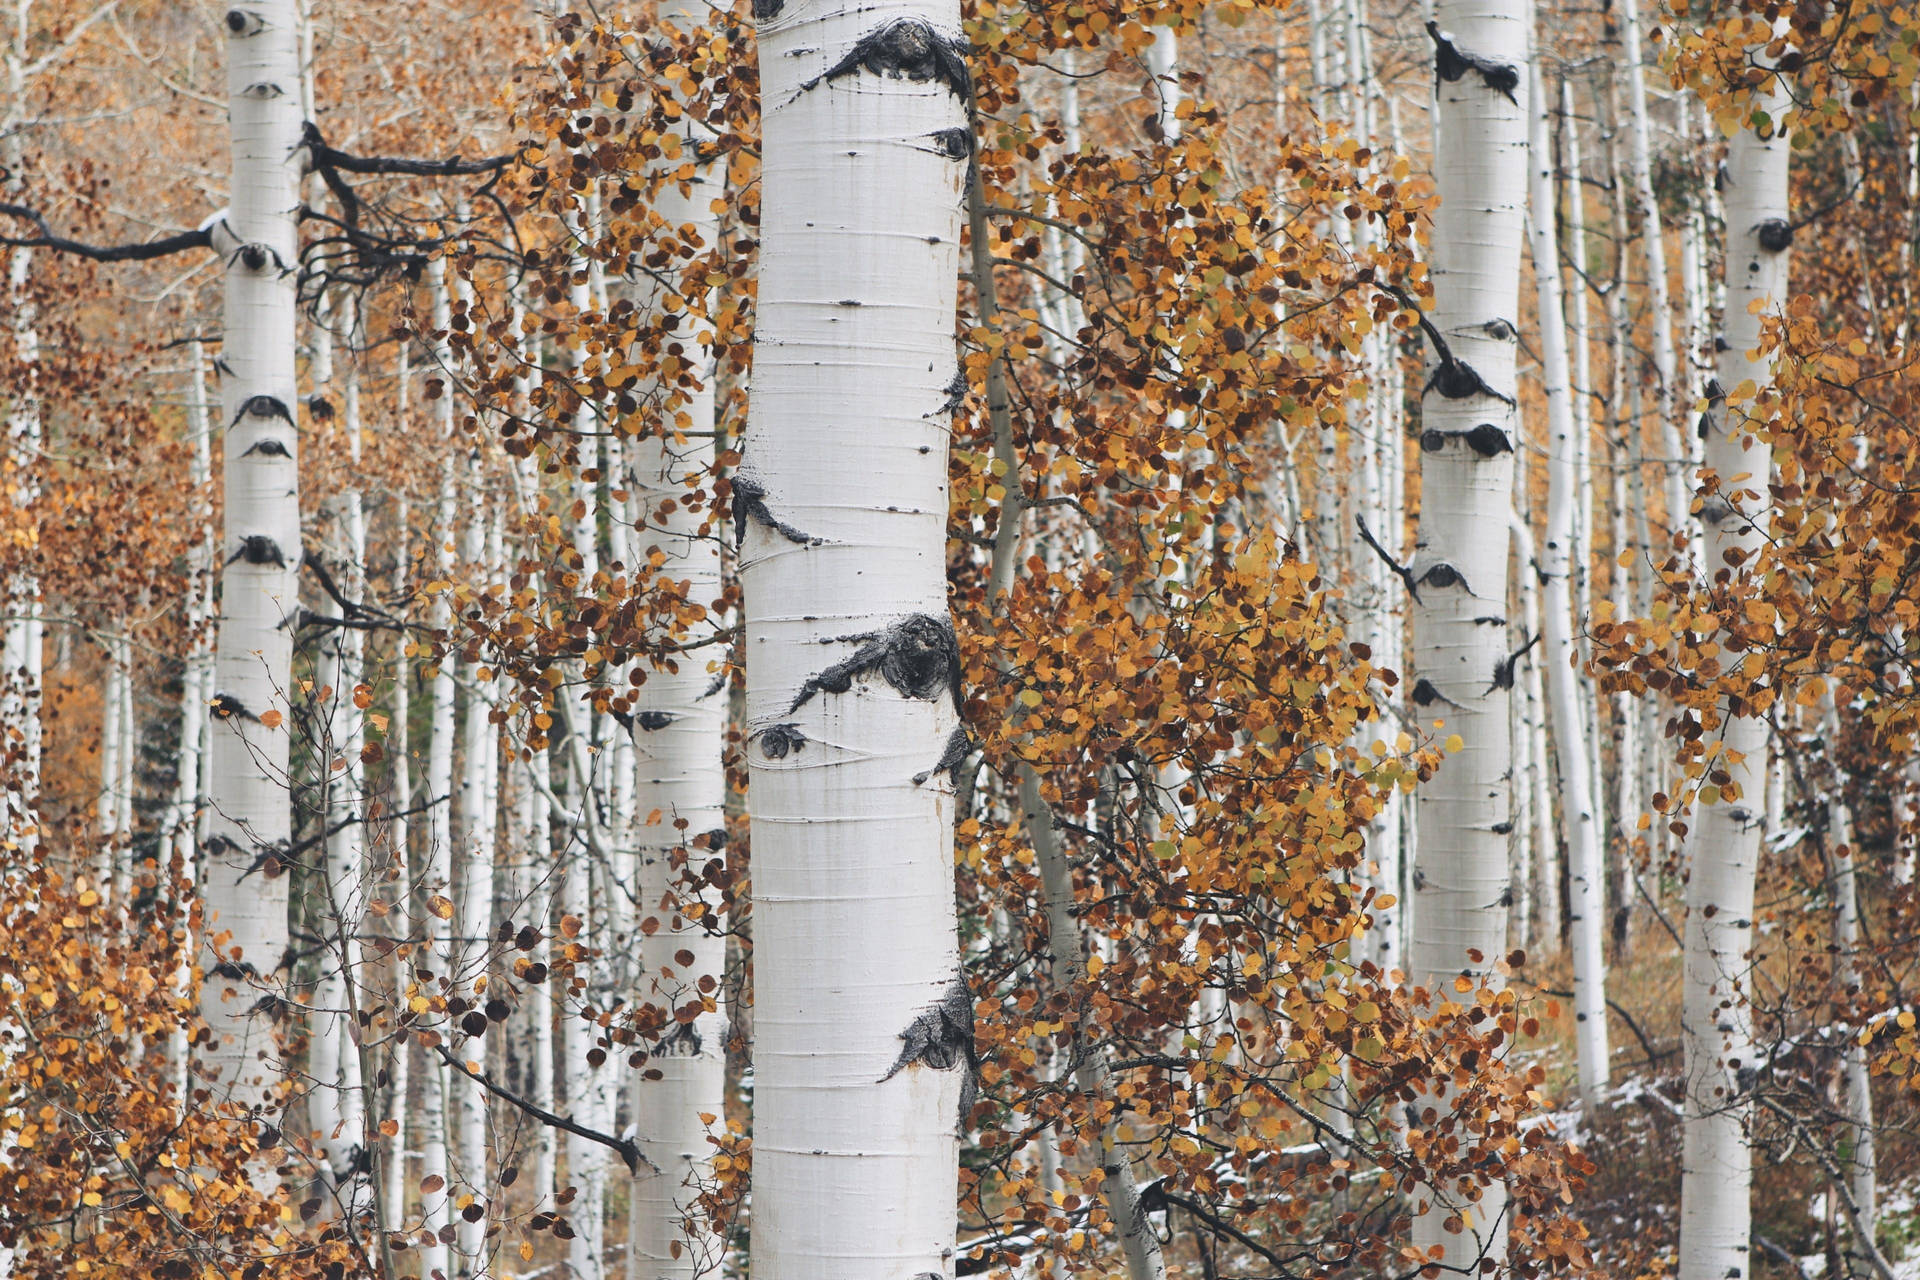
1586,913
1470,429
863,1018
249,826
1717,1020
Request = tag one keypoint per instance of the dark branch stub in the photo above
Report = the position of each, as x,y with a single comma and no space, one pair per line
263,407
258,548
907,49
917,655
1451,63
1503,670
954,144
952,756
1774,235
1444,575
777,740
750,503
1487,440
942,1038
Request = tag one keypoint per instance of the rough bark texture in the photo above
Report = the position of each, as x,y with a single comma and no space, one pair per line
855,1147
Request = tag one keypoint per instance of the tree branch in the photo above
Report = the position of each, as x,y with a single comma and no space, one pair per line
165,247
628,1149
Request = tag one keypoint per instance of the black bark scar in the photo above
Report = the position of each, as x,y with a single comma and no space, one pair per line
262,407
1486,440
1450,63
268,448
952,756
776,740
750,502
907,49
1503,670
917,655
942,1038
258,548
225,706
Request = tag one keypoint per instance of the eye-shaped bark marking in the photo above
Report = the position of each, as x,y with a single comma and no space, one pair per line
1425,695
1487,440
714,686
1450,63
265,90
225,706
1443,575
319,408
1774,235
681,1042
917,655
1503,670
650,721
269,859
776,740
907,49
1455,379
263,407
255,257
1715,509
750,502
942,1038
241,22
258,548
234,971
952,756
954,144
1500,330
267,449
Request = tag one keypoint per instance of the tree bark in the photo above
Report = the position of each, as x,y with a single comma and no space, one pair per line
1717,1020
250,826
863,1017
1470,429
1586,913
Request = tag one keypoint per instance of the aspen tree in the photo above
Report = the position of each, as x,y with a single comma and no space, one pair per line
1459,571
679,736
1717,1019
863,1052
249,824
1585,884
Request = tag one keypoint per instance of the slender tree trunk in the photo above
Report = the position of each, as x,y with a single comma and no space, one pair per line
1653,246
1470,429
399,869
1586,915
863,1018
435,1169
1856,1082
679,736
250,817
1717,1020
1067,948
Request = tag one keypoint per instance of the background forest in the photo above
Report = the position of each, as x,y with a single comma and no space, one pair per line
843,642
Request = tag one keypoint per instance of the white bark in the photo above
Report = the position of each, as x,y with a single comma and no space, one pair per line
473,921
1460,562
438,870
1856,1081
399,868
1717,1022
337,1101
863,1019
679,735
247,797
1586,917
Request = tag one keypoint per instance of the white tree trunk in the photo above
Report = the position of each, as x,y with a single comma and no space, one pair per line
1470,429
863,1018
337,1102
399,869
1717,1021
1586,916
438,871
249,824
473,919
679,734
1856,1081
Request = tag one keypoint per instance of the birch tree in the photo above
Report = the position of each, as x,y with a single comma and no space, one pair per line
863,1053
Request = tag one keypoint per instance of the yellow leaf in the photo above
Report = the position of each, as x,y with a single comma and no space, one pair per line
272,719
